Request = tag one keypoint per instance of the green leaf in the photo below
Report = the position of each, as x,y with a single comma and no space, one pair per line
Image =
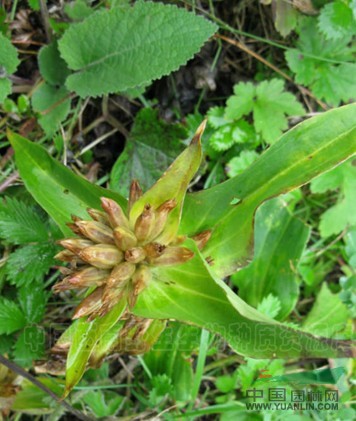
269,104
29,346
286,17
53,104
57,189
272,270
8,56
30,263
8,64
270,306
103,403
5,89
336,21
192,294
310,148
34,4
85,335
173,185
151,148
78,10
342,214
20,223
114,50
323,64
328,315
11,317
52,67
33,299
229,134
239,164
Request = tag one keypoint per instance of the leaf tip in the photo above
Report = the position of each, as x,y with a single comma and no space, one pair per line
198,134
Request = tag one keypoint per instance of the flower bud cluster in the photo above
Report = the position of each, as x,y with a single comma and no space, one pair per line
115,255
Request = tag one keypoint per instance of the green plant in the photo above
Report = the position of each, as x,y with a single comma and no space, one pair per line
192,291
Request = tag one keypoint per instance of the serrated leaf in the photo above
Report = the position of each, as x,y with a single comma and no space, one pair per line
231,133
216,117
342,214
114,50
8,56
52,67
30,263
78,10
20,223
33,299
6,343
239,164
336,20
270,306
11,317
53,104
328,315
271,271
29,345
269,104
150,149
326,66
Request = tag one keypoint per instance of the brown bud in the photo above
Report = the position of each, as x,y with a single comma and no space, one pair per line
140,279
173,256
88,277
161,217
98,216
124,238
74,229
135,255
64,270
75,218
145,224
154,250
64,256
202,238
199,132
116,215
135,193
102,256
75,245
90,304
120,274
96,231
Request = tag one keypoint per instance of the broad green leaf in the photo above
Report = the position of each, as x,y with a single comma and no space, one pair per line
85,336
191,294
279,242
151,148
336,20
30,263
326,66
114,50
268,102
52,67
57,189
11,317
53,104
173,185
310,148
20,223
78,10
341,215
328,315
5,89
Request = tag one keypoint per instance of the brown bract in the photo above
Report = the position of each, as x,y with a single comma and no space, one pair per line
115,256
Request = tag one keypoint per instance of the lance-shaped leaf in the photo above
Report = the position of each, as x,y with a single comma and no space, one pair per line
85,336
191,294
280,239
57,189
173,185
310,148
